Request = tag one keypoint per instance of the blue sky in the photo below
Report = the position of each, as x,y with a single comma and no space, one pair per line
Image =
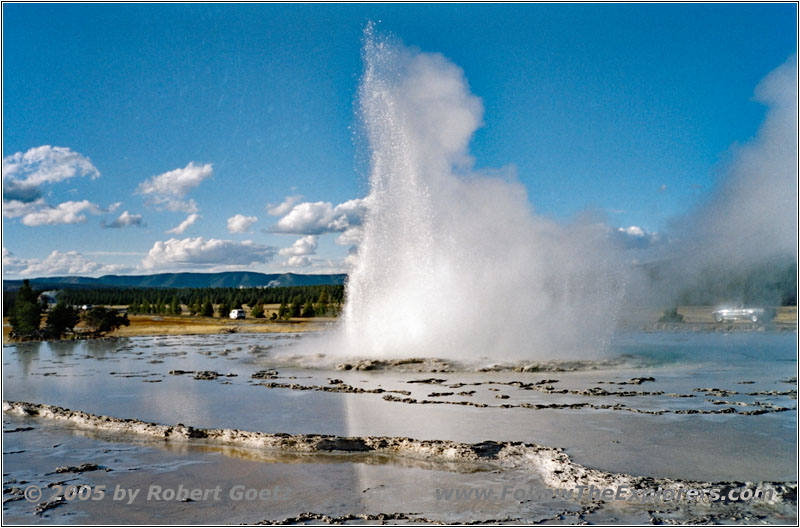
626,111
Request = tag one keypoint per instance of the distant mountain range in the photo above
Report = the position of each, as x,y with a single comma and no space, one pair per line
227,279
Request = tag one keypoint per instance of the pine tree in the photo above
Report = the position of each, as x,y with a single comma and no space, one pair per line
296,308
61,320
208,309
308,310
257,311
175,306
322,303
26,316
283,311
101,320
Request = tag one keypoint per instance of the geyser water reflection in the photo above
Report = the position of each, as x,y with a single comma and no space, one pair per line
453,262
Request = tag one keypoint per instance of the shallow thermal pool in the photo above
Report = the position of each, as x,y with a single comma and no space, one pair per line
701,406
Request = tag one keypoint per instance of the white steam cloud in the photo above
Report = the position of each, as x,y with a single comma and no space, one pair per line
752,214
747,229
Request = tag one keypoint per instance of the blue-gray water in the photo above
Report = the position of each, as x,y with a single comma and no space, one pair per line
130,378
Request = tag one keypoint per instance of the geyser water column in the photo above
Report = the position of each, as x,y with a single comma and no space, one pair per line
453,262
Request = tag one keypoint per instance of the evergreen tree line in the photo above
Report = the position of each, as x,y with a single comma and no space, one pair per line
295,301
166,300
297,307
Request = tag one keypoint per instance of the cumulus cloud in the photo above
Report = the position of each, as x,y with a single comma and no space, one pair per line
56,263
18,208
351,260
351,236
183,226
283,207
39,213
634,237
168,190
125,219
25,172
205,253
316,218
14,191
240,223
298,261
302,246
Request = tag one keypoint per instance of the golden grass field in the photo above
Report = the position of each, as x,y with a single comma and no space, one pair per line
144,325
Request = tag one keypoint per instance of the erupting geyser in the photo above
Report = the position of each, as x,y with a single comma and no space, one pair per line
453,263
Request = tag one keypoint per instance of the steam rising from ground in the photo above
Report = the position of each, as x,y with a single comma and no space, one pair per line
753,213
748,226
454,263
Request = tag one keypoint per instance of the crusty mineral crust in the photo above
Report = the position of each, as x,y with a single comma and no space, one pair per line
554,466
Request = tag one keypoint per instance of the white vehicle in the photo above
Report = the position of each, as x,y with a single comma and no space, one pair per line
743,314
237,314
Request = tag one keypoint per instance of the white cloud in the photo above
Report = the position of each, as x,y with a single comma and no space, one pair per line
63,213
17,208
298,261
635,237
351,237
284,207
115,253
174,205
240,223
302,246
25,173
351,260
634,231
38,212
11,263
306,217
124,220
169,189
56,263
315,218
200,252
183,226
